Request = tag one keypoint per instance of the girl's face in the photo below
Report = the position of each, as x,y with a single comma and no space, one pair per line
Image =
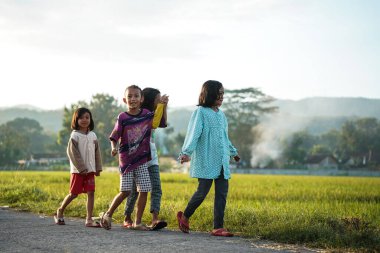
157,100
133,98
219,100
84,122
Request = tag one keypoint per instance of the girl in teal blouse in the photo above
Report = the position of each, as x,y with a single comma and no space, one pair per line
208,147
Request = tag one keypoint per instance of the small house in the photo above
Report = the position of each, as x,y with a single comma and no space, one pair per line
321,162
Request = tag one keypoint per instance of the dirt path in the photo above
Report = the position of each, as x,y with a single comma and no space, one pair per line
27,232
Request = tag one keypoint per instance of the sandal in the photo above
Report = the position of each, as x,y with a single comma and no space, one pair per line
93,224
182,224
127,224
105,221
141,227
160,224
221,232
59,221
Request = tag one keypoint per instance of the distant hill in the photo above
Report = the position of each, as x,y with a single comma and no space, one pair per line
331,107
321,113
51,121
316,115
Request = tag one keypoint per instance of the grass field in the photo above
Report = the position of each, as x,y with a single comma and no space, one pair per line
327,212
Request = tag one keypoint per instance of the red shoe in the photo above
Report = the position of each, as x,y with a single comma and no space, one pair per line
127,224
221,232
182,224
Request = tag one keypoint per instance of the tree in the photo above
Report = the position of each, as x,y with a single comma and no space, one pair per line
13,145
104,109
172,142
243,108
360,140
20,138
33,131
319,149
298,147
333,141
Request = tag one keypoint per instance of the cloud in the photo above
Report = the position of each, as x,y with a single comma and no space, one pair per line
126,30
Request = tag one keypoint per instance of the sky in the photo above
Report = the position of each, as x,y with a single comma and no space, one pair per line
54,53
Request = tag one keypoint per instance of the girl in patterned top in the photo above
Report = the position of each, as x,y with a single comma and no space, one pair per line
208,146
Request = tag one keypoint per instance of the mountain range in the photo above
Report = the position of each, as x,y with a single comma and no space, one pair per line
323,113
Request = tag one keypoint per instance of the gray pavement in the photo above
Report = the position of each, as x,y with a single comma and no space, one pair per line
27,232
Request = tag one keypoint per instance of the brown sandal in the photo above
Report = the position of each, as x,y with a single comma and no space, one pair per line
105,221
221,232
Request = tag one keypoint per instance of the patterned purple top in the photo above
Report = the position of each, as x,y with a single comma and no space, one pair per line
133,134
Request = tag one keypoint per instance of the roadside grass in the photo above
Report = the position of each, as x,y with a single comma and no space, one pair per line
339,213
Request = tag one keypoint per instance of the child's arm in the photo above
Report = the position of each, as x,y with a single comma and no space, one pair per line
75,157
116,134
98,159
164,119
113,148
194,131
158,115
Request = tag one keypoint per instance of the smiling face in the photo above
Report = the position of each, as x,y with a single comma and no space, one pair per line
133,99
84,122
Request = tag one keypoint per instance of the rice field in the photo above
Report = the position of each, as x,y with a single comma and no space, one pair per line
327,212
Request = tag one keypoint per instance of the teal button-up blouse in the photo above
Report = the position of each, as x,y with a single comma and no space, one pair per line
208,144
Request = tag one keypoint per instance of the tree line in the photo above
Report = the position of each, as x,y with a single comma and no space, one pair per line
356,144
357,140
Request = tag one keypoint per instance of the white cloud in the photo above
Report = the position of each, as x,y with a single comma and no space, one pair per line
289,49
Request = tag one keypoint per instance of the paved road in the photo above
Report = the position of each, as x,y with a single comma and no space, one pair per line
27,232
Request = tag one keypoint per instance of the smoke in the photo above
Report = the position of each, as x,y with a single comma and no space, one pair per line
269,135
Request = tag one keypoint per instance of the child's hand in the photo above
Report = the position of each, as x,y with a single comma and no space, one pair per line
237,158
164,99
114,152
184,158
97,173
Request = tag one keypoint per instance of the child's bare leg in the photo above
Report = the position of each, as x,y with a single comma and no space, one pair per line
66,201
90,205
116,202
141,203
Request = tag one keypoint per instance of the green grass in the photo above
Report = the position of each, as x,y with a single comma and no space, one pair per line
327,212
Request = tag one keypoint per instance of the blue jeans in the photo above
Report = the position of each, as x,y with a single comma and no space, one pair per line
156,193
